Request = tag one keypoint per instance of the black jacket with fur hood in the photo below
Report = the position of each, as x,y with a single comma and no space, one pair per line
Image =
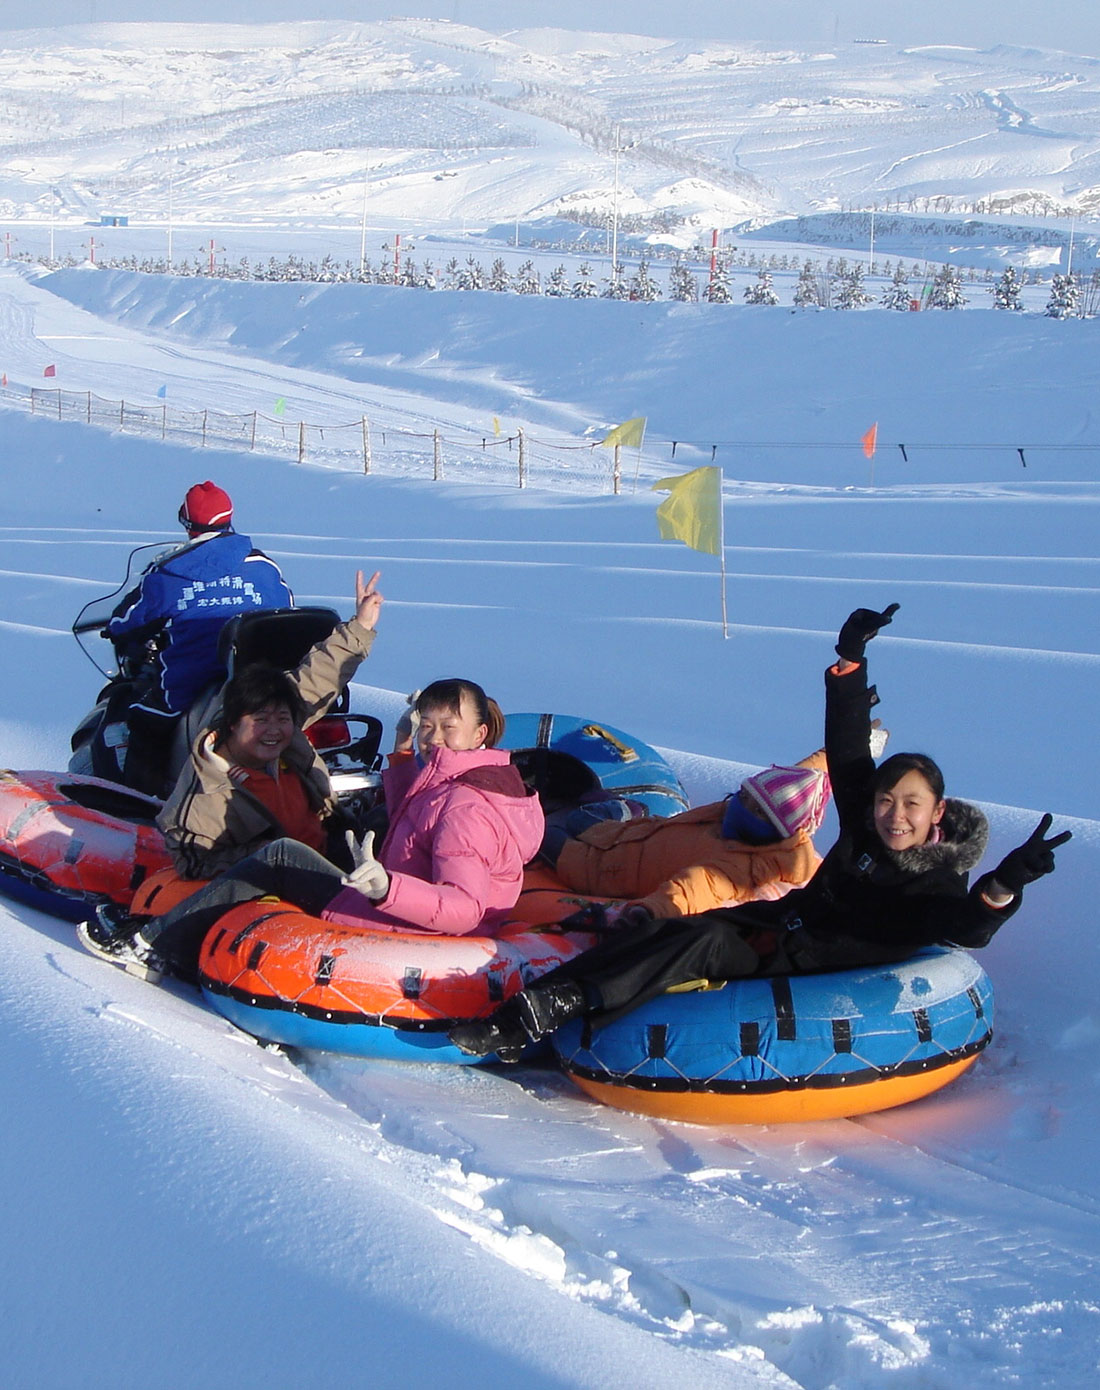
892,900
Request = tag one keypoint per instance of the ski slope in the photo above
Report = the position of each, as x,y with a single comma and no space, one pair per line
189,1208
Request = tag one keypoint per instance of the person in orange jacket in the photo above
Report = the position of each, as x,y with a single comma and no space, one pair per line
756,844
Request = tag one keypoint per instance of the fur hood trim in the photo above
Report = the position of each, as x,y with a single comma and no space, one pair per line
965,833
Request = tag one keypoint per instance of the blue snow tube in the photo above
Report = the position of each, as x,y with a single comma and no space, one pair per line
567,758
790,1047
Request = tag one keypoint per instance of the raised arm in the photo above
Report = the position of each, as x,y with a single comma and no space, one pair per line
328,666
848,703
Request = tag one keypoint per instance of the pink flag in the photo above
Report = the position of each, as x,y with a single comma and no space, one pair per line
51,370
4,379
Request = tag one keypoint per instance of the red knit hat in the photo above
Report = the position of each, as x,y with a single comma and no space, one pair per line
793,798
206,508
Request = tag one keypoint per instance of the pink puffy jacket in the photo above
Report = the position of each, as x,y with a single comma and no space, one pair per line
461,829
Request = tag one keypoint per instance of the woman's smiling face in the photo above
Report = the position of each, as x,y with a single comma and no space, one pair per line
906,812
261,737
458,729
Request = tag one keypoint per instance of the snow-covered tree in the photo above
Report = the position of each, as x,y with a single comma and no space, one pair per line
1064,296
1090,296
558,284
450,274
946,289
471,276
682,284
896,295
1006,292
643,286
850,293
584,287
526,279
806,293
761,292
617,287
718,289
500,282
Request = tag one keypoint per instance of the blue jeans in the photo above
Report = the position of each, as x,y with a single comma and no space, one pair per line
283,869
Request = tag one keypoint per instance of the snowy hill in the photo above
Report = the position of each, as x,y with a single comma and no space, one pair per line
450,124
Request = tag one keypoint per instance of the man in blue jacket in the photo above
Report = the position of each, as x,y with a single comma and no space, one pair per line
178,609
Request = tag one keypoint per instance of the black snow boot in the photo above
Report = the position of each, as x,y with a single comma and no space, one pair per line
525,1018
502,1033
545,1006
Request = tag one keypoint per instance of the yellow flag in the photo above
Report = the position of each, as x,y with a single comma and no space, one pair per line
630,432
496,426
693,513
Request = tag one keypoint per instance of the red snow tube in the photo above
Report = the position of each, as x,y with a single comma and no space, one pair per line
69,842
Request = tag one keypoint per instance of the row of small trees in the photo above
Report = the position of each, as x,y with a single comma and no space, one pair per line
834,285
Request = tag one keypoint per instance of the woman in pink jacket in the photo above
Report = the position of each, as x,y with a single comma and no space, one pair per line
462,826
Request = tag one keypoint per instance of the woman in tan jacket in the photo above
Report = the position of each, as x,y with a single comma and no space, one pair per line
253,776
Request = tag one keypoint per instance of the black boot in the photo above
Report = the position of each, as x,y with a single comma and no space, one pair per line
502,1033
546,1005
525,1018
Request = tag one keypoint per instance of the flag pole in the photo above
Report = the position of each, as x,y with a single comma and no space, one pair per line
722,552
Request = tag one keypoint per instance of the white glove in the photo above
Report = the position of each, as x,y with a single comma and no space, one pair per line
879,735
367,876
404,733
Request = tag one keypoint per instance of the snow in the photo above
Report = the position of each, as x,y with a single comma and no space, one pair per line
188,1208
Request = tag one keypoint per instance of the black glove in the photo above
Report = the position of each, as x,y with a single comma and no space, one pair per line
859,628
1033,859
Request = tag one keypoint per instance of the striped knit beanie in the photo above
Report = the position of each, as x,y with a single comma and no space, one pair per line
793,798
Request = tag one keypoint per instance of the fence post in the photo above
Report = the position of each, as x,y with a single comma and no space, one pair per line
366,445
522,460
121,414
89,407
437,452
164,420
301,440
204,429
617,472
252,445
59,402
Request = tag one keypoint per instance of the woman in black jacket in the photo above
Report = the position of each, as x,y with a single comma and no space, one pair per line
895,880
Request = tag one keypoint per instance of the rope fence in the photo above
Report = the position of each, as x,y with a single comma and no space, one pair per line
454,454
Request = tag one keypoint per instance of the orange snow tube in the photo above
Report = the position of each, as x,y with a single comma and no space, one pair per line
287,977
68,842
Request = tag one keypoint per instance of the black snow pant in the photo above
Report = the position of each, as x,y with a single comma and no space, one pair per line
636,963
283,869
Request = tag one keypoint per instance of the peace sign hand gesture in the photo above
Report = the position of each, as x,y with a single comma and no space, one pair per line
368,601
1031,860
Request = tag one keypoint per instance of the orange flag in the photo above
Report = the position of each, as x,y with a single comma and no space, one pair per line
869,441
51,370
